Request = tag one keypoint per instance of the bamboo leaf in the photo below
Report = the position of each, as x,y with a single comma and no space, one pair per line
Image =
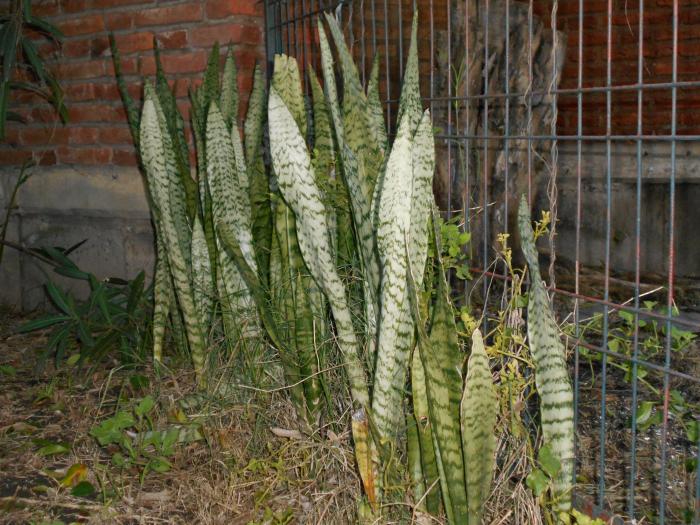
479,414
551,372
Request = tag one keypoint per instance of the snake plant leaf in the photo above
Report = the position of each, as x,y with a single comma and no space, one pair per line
410,102
376,113
164,177
161,298
479,414
415,468
359,133
359,193
422,199
176,129
293,312
230,206
286,80
229,91
440,356
297,183
202,282
230,201
421,413
551,372
176,193
395,335
261,212
211,86
133,116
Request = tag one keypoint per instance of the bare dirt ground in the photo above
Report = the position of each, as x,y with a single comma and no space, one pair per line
239,472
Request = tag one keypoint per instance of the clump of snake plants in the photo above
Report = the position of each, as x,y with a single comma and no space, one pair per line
326,253
197,288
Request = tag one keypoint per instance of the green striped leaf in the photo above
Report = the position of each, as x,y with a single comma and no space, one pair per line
161,298
421,414
202,282
297,183
395,328
441,359
287,82
257,177
551,372
359,133
479,414
376,112
164,179
229,91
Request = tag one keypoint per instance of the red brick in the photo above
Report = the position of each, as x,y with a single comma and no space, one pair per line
12,156
44,8
75,6
80,70
205,36
133,42
95,113
84,155
119,21
115,135
45,157
226,8
84,25
172,39
106,4
169,15
82,136
42,136
193,62
124,157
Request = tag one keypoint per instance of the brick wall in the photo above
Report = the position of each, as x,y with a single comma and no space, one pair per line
97,133
657,51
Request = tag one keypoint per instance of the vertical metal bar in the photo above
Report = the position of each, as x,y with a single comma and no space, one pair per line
374,29
363,51
450,102
637,264
388,69
485,176
696,520
608,227
467,141
671,264
400,9
506,131
528,94
577,249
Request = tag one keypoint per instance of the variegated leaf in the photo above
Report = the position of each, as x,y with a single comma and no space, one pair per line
297,183
164,177
229,92
479,414
551,372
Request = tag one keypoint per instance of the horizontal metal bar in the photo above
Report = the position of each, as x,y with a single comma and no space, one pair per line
688,84
667,138
602,302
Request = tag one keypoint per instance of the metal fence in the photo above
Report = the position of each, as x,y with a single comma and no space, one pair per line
587,108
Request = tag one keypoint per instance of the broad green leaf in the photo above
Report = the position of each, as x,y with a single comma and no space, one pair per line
145,406
551,372
84,489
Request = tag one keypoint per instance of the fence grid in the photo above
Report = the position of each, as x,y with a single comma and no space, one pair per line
587,108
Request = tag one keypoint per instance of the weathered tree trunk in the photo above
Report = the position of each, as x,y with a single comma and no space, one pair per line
479,170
